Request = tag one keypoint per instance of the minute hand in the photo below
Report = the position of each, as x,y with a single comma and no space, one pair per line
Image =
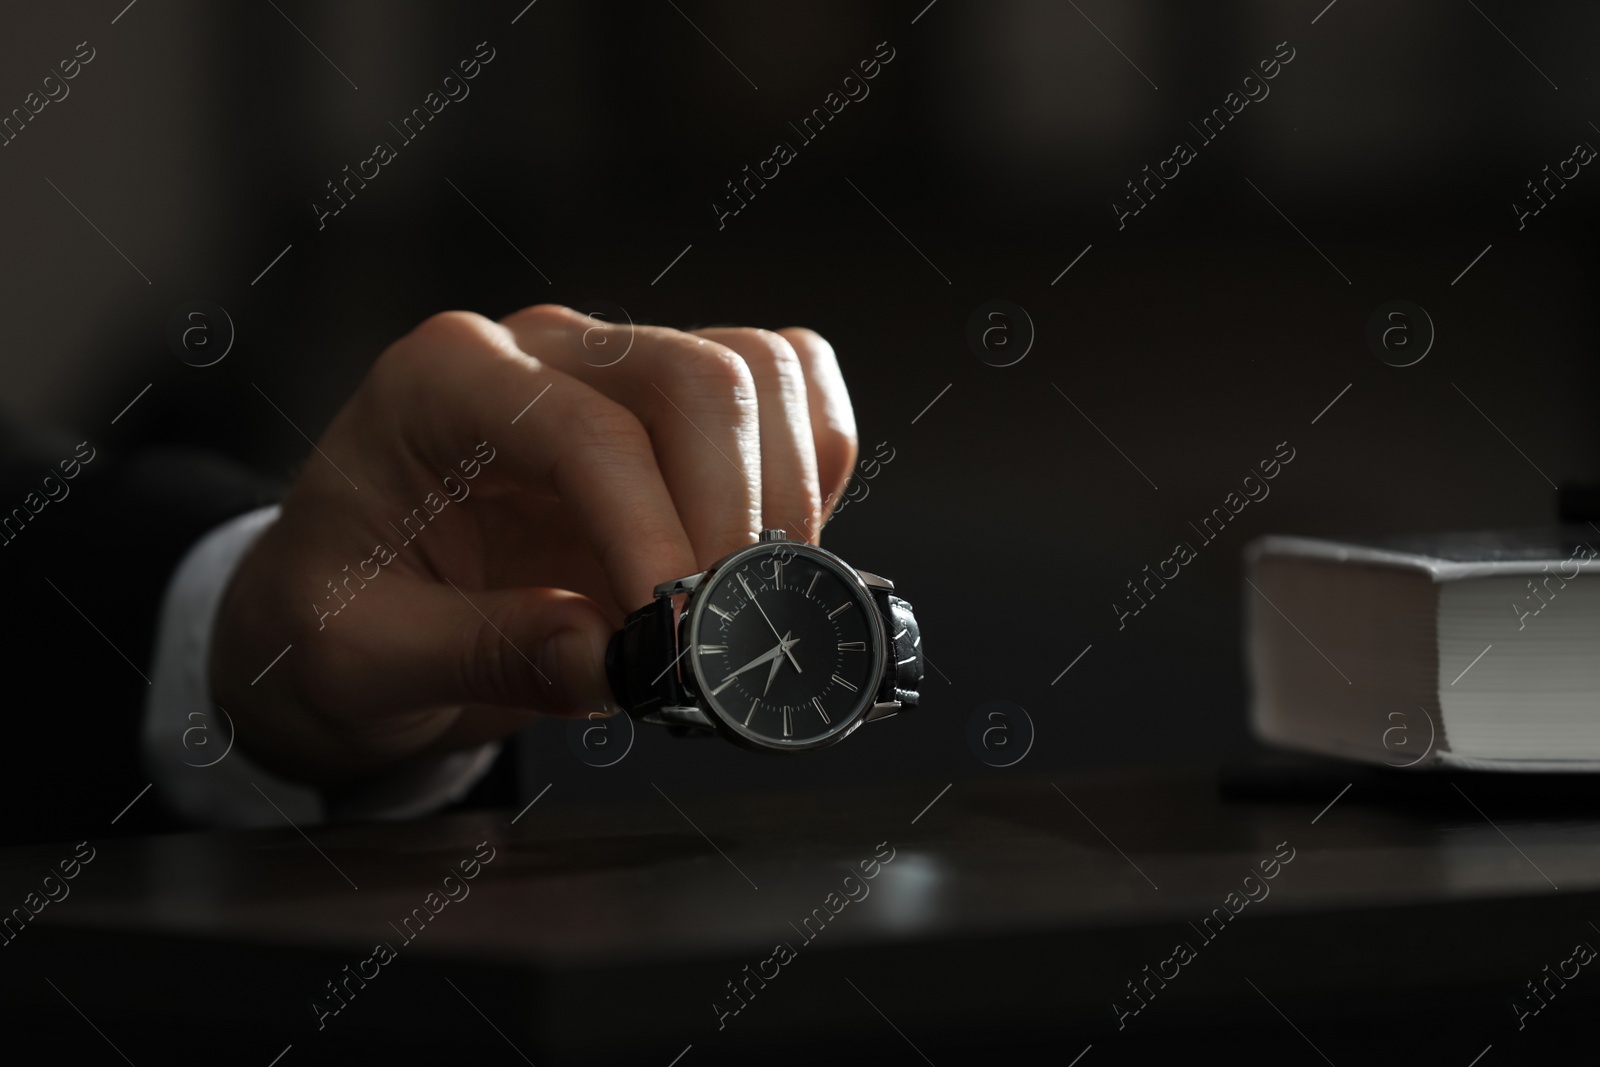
765,657
782,646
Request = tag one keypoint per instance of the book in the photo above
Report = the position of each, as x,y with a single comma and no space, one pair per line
1471,651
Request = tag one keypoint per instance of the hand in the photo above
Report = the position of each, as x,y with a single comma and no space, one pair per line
459,571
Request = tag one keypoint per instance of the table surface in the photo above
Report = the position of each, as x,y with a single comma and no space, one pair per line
1013,908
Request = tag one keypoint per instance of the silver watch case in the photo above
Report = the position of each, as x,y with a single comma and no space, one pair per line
705,716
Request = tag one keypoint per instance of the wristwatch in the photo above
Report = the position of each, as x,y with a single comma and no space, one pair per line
781,646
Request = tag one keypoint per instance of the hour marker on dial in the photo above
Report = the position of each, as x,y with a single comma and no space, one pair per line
844,683
817,701
814,576
747,591
788,724
713,650
841,608
777,574
719,611
754,704
852,646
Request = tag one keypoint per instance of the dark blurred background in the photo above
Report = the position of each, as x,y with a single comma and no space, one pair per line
995,142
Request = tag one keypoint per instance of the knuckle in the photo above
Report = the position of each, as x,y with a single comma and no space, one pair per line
709,371
453,328
847,442
805,335
768,353
541,315
834,430
838,437
813,351
436,344
851,449
837,451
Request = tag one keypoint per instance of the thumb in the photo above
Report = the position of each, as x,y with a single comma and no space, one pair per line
425,644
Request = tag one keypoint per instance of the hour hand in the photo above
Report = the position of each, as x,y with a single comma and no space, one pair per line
786,646
766,657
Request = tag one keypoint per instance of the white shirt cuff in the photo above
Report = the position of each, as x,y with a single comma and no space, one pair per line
188,740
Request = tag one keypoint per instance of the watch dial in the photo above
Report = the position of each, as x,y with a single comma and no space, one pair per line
785,648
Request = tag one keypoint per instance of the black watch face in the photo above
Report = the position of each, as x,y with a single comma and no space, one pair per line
785,646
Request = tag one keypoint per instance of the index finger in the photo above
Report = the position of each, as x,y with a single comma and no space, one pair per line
460,380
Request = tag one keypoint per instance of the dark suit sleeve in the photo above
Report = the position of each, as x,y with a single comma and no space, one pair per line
86,561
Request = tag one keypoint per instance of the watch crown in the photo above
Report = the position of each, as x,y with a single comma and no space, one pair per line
774,535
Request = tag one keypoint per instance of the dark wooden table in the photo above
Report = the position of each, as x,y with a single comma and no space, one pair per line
1014,913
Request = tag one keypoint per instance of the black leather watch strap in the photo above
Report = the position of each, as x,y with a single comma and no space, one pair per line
641,660
902,680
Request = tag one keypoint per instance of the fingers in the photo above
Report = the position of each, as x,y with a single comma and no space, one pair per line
790,496
833,420
460,379
698,402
